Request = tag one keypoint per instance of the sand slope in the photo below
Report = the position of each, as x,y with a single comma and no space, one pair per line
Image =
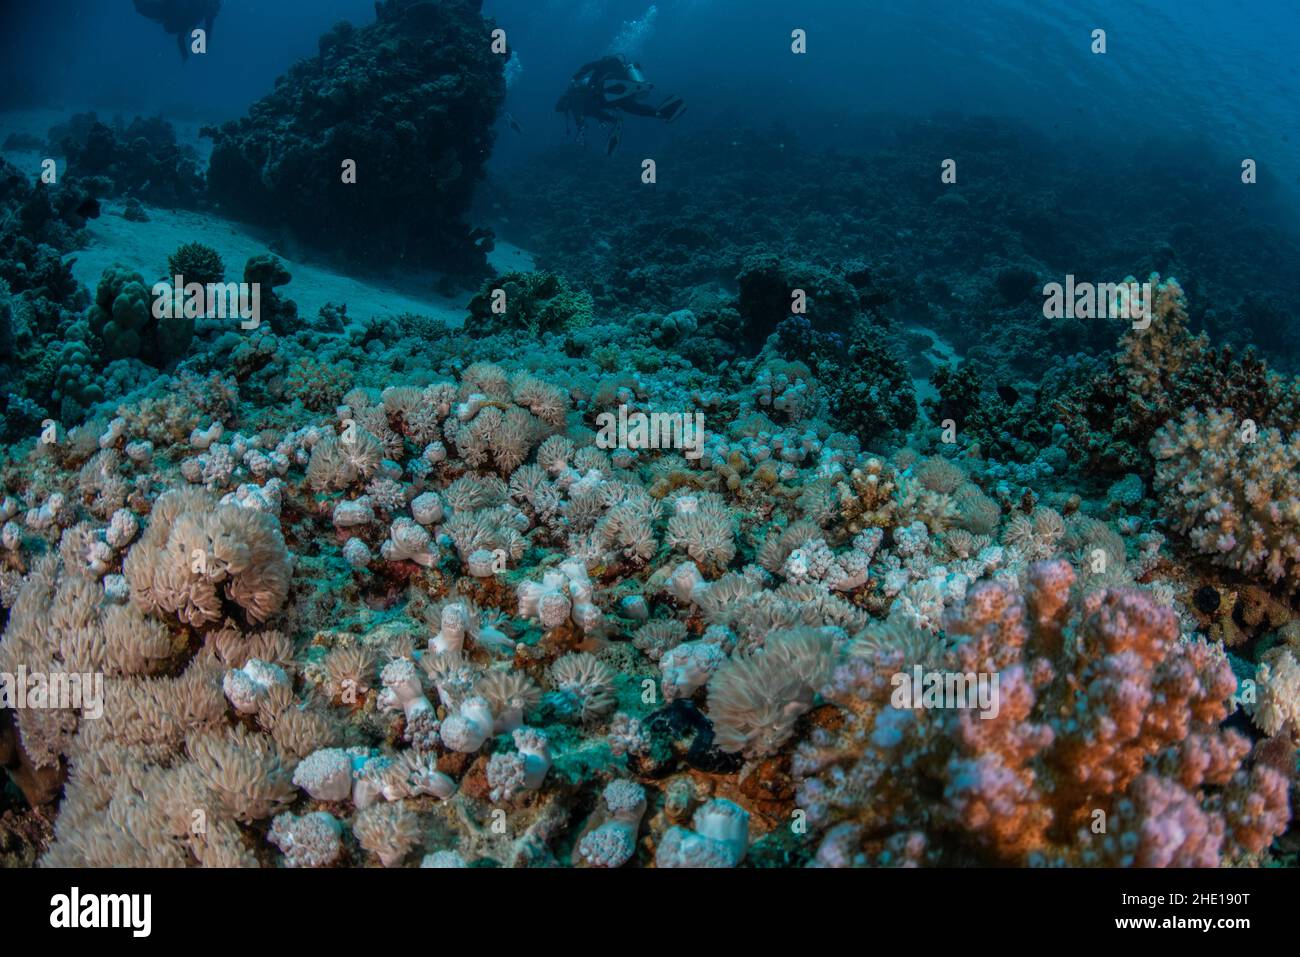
146,246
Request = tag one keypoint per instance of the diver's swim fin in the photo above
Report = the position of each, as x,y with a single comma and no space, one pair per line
671,109
614,139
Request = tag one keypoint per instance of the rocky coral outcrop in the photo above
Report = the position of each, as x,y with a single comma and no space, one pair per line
410,100
141,159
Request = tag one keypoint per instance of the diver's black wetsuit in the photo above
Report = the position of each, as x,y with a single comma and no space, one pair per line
180,17
603,88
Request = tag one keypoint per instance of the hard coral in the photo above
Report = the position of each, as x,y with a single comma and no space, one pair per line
1122,730
195,262
534,303
123,320
1233,491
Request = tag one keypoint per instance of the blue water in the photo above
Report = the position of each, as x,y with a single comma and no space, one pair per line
1221,73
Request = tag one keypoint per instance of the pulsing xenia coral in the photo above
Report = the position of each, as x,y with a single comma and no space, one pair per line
613,842
509,774
196,555
701,526
584,685
755,699
720,838
389,831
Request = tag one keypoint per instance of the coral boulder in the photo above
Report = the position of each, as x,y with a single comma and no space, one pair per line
410,100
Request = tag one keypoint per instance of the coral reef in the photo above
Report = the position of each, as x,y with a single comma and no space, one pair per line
360,630
956,260
1156,374
723,537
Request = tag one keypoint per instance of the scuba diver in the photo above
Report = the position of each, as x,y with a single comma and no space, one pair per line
608,86
180,17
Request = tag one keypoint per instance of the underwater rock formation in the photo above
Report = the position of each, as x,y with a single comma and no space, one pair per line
411,100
